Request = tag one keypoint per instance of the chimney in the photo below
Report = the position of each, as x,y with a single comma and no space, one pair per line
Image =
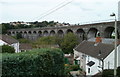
98,40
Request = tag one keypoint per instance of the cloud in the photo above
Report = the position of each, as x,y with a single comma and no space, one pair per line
77,11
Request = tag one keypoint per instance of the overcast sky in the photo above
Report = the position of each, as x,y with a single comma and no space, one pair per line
78,11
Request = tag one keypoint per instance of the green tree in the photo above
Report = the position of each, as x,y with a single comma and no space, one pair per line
7,49
5,27
52,23
70,40
50,40
23,40
19,36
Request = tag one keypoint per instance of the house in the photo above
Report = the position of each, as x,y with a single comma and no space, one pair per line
8,40
25,47
94,57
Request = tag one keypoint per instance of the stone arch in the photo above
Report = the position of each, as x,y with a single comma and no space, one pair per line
25,32
52,33
29,32
13,32
21,32
110,33
40,33
34,32
92,33
45,33
80,33
60,33
17,32
69,30
9,33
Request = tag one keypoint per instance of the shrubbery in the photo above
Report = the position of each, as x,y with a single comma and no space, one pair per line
69,68
73,67
7,49
110,72
37,63
118,71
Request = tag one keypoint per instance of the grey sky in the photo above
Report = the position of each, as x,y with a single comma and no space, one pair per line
78,11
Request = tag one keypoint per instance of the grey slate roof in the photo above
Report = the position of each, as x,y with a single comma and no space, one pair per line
24,46
8,39
90,49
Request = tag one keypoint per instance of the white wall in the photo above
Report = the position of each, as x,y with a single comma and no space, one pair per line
2,42
119,10
84,60
16,47
95,68
119,55
109,60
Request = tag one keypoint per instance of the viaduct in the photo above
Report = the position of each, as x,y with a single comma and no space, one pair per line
86,31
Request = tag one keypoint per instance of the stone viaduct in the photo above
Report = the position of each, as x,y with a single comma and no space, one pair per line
86,31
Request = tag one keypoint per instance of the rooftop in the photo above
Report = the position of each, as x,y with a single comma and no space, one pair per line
97,50
8,39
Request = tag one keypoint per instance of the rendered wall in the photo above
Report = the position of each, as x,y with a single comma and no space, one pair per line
119,10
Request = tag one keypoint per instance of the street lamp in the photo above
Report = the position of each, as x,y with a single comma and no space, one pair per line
115,52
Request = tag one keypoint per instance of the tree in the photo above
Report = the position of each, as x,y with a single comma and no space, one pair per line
49,40
52,23
23,40
70,40
5,27
7,49
19,36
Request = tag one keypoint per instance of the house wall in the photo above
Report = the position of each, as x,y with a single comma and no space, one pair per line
97,67
119,55
109,60
84,59
119,10
16,47
2,42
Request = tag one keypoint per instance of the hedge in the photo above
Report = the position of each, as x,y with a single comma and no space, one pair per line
110,72
38,63
7,49
118,71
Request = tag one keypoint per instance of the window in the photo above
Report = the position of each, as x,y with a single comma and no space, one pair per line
88,70
91,63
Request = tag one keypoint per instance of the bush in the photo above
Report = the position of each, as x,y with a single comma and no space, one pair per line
66,61
69,68
118,71
72,67
108,73
38,63
7,49
75,68
23,40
